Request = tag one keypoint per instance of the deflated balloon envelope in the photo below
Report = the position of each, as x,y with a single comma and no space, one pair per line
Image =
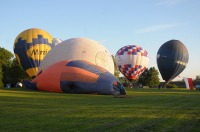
30,47
172,58
132,60
76,76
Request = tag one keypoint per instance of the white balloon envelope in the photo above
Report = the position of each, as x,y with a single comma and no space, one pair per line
79,49
56,41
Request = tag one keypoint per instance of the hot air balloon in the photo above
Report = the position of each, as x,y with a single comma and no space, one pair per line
172,58
78,77
30,47
132,60
56,41
79,49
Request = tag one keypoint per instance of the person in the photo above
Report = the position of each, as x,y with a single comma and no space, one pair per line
118,89
141,86
8,85
18,84
122,90
159,86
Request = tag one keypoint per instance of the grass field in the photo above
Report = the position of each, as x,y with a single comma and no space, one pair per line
142,110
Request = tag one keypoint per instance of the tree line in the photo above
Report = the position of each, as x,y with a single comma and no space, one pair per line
150,77
11,72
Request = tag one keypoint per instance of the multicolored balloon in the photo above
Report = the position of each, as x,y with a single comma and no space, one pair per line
78,77
30,47
172,59
132,60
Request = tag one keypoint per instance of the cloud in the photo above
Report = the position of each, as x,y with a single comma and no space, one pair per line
155,28
170,2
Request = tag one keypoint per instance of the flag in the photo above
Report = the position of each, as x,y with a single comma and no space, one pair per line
188,83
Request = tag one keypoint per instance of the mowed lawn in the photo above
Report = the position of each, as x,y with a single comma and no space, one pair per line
142,110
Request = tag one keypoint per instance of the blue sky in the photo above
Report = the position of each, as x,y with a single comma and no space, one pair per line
113,23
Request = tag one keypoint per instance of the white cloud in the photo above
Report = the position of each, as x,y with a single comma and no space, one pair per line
170,2
155,28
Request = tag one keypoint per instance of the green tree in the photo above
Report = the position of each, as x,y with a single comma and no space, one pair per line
5,62
5,57
153,77
1,76
149,77
10,70
143,78
197,78
17,73
116,71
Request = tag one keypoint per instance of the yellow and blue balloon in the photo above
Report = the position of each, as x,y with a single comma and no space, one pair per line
30,47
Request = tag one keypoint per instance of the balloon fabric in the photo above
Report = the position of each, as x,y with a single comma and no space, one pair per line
172,59
132,60
30,47
78,77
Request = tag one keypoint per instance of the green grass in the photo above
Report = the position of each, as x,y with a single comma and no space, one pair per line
142,110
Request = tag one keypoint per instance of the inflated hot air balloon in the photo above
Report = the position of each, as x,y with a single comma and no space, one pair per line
56,41
76,76
30,47
132,60
79,49
172,58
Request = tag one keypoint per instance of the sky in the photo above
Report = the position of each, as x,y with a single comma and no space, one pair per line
113,23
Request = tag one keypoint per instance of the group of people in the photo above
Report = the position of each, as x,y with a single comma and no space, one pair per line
18,84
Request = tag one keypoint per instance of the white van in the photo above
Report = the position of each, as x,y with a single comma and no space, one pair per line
197,87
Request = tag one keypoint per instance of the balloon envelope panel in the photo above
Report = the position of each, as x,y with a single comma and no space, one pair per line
30,47
172,58
56,41
76,76
132,60
79,49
